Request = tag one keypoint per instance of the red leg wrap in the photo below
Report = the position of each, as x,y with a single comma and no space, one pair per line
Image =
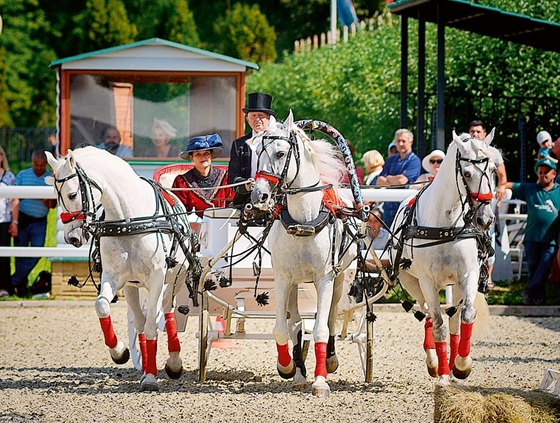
443,365
143,350
151,351
454,346
173,344
465,342
284,357
108,332
429,342
321,359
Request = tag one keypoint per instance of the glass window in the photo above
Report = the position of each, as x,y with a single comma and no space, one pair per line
150,116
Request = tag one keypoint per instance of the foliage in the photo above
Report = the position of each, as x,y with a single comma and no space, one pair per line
27,92
102,24
353,87
245,33
167,19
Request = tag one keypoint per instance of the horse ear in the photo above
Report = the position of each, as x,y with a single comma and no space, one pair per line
51,160
489,137
457,140
289,122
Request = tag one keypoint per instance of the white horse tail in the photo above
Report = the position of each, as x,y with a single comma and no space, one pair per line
481,327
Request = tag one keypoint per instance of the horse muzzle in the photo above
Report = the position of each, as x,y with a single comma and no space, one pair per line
75,235
261,195
484,218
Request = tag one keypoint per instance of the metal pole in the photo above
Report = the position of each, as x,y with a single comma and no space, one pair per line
333,22
440,130
420,136
404,70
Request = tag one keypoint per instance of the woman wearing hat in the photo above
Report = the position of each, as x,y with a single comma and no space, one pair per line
243,161
162,132
204,180
373,162
431,164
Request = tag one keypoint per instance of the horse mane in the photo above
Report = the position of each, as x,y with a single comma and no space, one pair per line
326,158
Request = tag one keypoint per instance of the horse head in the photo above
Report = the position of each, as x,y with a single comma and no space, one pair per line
75,197
275,147
475,168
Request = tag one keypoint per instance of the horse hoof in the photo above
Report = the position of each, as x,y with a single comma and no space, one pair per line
149,383
299,383
332,364
432,362
463,367
287,372
443,380
321,391
432,371
173,374
122,357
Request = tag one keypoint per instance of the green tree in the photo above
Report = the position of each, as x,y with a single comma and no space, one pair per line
27,94
245,33
167,19
102,24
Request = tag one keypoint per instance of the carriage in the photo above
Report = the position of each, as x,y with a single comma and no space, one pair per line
325,251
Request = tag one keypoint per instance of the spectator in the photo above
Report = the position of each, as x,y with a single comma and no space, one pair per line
477,129
9,214
431,164
545,144
112,143
543,224
399,170
32,226
162,132
392,149
243,161
373,162
377,235
201,151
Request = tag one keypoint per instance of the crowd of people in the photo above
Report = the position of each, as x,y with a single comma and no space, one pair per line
205,186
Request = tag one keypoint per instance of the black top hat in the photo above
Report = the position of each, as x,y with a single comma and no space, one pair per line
259,102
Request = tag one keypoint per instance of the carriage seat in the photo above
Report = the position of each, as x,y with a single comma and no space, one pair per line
165,175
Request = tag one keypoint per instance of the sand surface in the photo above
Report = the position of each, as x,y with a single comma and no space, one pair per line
54,367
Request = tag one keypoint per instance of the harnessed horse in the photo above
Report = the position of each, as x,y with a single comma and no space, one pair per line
439,241
141,239
306,242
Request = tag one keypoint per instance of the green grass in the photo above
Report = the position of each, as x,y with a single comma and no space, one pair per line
503,293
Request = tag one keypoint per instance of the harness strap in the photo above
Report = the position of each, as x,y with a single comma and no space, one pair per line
305,229
134,228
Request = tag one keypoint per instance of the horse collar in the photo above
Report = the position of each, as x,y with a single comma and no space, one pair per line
305,229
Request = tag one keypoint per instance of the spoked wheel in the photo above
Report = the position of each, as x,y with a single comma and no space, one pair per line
203,343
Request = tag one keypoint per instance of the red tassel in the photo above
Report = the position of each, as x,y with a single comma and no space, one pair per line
321,359
284,357
465,341
151,349
108,332
173,344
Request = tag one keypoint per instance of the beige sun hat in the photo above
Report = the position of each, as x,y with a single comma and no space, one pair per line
434,154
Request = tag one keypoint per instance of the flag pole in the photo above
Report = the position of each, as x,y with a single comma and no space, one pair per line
333,22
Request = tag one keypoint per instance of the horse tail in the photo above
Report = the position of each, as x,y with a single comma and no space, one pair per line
481,328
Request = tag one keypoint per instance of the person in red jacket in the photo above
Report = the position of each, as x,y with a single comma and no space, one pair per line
203,180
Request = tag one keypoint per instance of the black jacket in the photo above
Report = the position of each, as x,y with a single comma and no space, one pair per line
239,168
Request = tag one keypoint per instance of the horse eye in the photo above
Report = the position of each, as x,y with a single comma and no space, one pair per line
467,174
280,154
72,196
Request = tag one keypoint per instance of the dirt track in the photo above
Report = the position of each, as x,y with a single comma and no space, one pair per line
54,367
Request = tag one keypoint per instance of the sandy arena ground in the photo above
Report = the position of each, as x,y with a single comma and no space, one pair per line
54,367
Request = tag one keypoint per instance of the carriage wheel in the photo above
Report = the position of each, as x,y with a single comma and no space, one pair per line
203,347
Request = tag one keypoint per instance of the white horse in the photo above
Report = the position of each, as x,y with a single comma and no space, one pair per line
439,241
140,241
306,242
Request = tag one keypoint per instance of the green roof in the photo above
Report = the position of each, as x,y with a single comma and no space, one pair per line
484,20
154,41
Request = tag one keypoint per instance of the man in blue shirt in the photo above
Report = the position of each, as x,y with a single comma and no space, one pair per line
31,221
543,224
399,169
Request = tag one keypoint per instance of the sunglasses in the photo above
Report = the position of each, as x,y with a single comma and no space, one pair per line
434,161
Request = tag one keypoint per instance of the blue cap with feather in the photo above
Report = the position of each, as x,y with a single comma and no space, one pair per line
205,142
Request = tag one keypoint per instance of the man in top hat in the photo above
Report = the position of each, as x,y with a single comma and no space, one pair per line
543,224
243,161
